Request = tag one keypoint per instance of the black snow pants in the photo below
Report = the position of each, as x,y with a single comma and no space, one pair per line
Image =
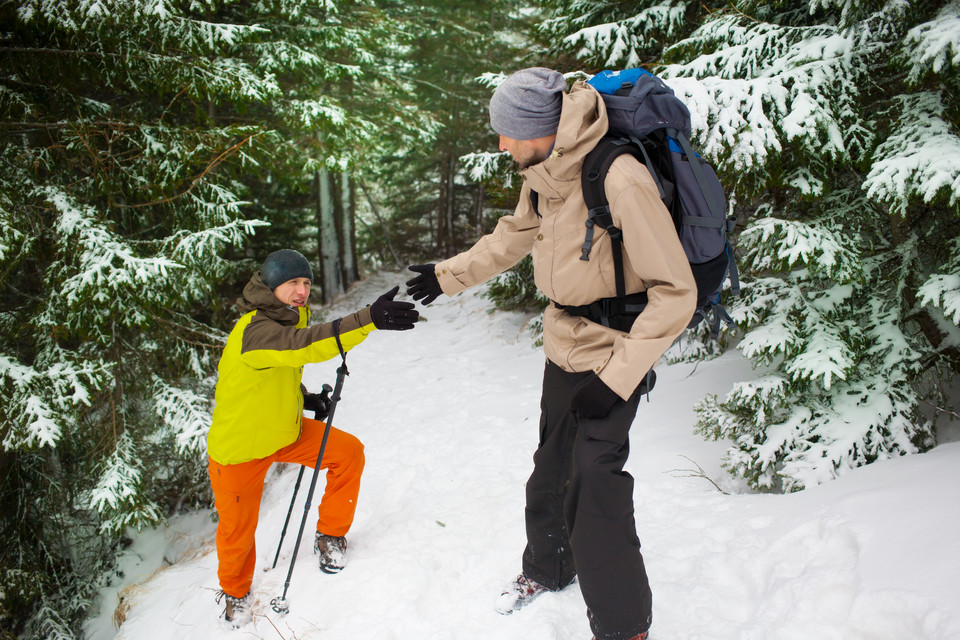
579,512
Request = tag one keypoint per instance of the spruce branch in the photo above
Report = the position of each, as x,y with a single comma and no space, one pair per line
196,181
196,343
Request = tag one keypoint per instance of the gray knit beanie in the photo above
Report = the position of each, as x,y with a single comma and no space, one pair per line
284,265
527,104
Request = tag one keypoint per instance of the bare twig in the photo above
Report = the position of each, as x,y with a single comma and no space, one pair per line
293,636
942,410
216,161
699,473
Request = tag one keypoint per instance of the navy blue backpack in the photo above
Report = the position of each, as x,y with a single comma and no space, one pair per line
648,121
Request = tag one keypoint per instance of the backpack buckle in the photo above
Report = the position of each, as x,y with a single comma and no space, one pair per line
607,308
587,241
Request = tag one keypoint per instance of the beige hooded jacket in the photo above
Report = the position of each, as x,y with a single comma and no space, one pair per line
653,259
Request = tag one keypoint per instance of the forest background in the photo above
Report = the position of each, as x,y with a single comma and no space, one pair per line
153,152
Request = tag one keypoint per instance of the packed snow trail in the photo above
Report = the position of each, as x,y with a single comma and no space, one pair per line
448,413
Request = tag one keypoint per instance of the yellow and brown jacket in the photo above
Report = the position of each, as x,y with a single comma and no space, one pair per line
653,258
258,400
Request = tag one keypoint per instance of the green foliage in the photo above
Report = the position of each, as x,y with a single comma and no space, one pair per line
429,201
141,146
514,290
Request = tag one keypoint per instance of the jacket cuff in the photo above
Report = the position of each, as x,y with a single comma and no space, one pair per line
362,319
448,282
622,385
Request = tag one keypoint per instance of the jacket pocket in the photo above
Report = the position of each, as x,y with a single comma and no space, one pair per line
615,426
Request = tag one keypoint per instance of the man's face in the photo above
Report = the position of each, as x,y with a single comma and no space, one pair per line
293,292
527,153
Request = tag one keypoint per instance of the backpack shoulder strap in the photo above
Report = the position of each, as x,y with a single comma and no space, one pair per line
593,174
535,202
694,160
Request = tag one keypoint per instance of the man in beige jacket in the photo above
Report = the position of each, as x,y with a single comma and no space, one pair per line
579,500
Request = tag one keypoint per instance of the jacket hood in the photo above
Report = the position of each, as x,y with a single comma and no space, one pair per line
583,121
258,297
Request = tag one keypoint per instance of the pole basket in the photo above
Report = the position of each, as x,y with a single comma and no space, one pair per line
279,604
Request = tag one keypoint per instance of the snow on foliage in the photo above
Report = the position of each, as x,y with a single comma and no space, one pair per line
935,45
943,290
485,165
185,413
767,87
617,42
105,265
772,244
118,495
921,157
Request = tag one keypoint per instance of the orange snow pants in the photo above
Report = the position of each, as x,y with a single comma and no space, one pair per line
237,489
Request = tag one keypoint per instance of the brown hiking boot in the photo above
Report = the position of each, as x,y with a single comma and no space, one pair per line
642,636
237,611
332,551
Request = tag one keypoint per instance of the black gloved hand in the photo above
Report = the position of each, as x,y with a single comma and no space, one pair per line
593,398
319,403
393,315
424,287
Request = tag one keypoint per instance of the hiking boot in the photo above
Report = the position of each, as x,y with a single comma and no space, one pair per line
237,611
518,594
642,636
332,551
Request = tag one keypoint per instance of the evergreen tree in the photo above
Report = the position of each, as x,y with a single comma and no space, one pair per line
835,126
141,145
430,204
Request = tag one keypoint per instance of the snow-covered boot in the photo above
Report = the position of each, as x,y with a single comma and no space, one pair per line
518,594
332,551
237,611
642,636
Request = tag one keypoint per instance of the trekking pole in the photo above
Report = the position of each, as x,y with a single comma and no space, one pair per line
296,488
279,604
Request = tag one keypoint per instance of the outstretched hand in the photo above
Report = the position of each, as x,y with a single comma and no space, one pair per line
393,315
424,287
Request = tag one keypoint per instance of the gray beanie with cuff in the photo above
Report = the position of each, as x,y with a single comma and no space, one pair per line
527,104
284,265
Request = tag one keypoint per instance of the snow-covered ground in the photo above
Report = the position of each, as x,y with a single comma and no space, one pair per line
448,414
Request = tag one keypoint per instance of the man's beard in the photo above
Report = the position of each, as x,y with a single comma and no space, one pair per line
535,158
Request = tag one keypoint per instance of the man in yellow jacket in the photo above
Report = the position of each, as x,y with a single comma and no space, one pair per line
579,500
258,418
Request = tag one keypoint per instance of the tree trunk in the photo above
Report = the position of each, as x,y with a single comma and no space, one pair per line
328,248
451,201
349,246
336,189
441,232
383,227
478,210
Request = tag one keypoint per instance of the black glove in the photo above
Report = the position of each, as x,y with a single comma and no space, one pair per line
319,403
393,315
424,287
594,399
